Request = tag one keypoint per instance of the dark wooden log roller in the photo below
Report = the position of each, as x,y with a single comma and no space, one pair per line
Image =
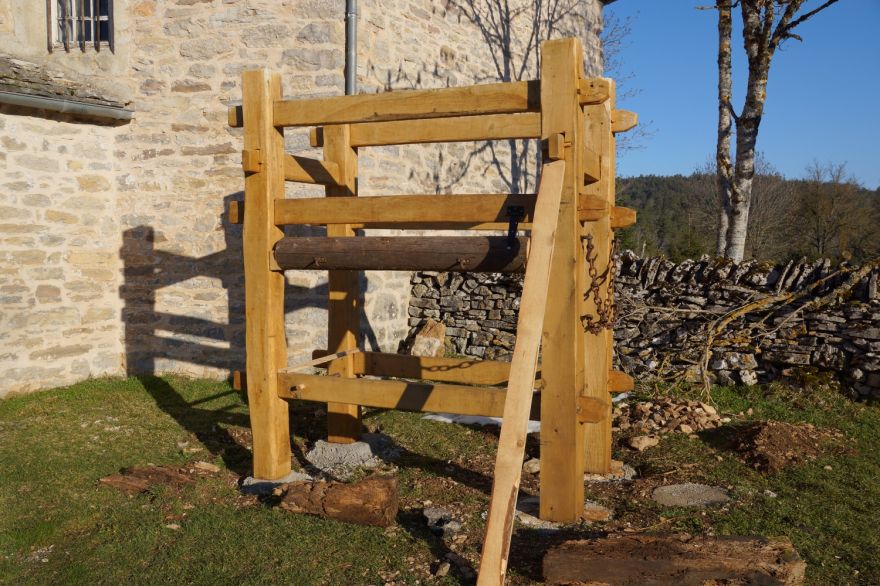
488,254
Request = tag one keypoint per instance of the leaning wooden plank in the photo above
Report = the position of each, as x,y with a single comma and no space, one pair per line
264,289
321,360
675,559
372,501
492,254
395,394
512,441
462,129
306,170
390,209
493,98
345,301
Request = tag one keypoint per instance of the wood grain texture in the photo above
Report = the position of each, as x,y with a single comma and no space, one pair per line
266,346
492,98
391,209
459,129
561,481
598,346
523,366
345,300
372,501
490,254
675,559
395,394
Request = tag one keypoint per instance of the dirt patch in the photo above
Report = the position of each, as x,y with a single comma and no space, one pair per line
769,446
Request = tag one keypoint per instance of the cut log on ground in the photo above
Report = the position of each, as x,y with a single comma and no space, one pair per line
675,559
141,478
373,501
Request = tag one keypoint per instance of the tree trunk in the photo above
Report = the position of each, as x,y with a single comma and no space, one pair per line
723,167
373,501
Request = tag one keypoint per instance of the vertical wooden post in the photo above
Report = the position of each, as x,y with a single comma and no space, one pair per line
264,289
562,437
598,346
343,319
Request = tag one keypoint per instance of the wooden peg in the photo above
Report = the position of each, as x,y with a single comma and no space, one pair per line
623,120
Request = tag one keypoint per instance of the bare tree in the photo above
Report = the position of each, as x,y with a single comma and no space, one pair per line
766,25
835,217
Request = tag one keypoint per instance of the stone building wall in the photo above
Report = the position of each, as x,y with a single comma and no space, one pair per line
174,281
59,241
665,308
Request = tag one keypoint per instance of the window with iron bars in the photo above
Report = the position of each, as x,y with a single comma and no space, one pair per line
79,23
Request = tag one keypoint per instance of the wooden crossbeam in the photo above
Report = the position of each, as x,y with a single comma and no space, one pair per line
390,209
459,129
394,394
306,170
493,98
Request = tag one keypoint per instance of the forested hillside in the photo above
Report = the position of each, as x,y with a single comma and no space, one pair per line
825,215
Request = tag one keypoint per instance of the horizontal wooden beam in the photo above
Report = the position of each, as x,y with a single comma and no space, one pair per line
491,254
594,90
623,120
395,394
494,98
235,116
390,209
306,170
458,129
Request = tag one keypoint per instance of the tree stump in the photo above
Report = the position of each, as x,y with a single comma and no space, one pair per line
373,501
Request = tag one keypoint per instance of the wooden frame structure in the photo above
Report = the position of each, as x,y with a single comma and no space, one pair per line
575,119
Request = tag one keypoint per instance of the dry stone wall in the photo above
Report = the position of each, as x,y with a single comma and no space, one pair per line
664,310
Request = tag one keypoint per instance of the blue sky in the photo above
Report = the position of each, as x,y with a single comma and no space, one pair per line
823,99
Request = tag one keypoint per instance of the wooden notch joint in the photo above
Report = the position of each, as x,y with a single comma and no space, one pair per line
235,116
251,161
235,213
592,165
593,90
592,410
622,217
555,146
620,382
623,120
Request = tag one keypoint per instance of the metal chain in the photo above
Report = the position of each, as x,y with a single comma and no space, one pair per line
606,309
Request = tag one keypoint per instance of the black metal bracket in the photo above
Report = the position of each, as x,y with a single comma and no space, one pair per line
515,215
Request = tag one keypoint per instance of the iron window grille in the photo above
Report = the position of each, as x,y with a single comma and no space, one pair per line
79,23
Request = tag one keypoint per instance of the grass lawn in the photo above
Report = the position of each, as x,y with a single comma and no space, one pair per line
59,526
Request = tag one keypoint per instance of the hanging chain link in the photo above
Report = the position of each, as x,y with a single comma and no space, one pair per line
606,310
